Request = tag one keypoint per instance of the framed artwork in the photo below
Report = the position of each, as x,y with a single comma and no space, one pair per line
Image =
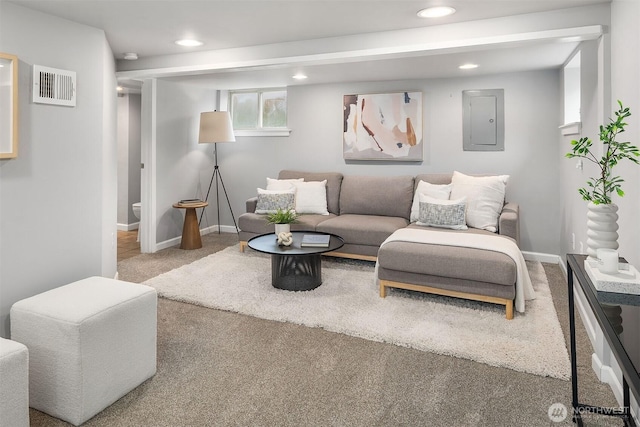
383,126
8,106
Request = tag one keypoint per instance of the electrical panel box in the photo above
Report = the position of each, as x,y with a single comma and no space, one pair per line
483,120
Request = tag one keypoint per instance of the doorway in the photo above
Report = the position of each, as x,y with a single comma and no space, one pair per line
129,179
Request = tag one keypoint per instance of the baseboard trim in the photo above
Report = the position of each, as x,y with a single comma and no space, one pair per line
128,227
542,257
208,230
167,243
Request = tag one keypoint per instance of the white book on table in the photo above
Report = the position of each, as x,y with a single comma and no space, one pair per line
316,240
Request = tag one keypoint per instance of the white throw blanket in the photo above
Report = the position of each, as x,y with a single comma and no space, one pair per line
524,288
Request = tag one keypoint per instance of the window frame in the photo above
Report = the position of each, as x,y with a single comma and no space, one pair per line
260,130
572,94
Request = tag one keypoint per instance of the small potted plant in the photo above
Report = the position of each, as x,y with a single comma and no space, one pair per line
282,218
603,215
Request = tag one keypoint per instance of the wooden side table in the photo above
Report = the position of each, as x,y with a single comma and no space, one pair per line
191,230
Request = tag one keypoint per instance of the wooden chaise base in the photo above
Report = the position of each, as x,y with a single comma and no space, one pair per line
384,284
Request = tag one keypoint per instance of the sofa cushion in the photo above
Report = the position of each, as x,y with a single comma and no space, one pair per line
311,197
334,181
269,201
362,229
442,213
437,191
485,198
257,223
281,184
449,261
390,196
433,178
468,230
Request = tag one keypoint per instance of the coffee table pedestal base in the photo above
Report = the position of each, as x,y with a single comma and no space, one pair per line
296,272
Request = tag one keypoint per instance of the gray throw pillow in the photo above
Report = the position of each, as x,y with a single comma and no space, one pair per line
442,213
270,201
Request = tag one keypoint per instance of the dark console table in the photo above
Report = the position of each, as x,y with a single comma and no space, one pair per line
606,307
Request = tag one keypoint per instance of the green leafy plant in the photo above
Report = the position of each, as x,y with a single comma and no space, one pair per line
281,216
602,187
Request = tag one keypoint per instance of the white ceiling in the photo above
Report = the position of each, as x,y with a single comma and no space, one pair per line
149,28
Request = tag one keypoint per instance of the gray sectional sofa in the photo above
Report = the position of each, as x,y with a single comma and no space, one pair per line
366,210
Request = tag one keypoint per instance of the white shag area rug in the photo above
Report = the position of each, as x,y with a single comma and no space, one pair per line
348,302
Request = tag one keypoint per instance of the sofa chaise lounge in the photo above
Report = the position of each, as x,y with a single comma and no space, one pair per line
367,210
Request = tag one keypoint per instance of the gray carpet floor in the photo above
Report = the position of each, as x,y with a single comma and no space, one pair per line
217,368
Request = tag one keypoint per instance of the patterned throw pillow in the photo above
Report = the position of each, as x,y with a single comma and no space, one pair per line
442,213
269,201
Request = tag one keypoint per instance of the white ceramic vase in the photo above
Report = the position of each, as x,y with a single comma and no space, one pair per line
602,227
282,228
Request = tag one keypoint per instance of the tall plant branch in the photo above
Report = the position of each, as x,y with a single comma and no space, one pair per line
602,188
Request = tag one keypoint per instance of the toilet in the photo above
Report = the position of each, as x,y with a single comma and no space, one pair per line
136,211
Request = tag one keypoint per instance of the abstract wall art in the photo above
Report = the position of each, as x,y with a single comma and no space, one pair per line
383,126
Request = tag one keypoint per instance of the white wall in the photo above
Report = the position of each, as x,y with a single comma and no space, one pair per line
532,106
57,199
183,167
610,72
533,114
625,86
573,209
108,171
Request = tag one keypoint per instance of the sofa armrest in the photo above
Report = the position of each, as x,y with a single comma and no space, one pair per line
509,221
250,204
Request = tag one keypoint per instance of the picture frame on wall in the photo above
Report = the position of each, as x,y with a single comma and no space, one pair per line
8,106
383,126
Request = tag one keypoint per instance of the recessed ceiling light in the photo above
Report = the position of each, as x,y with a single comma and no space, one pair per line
130,56
299,76
119,88
468,66
189,42
436,12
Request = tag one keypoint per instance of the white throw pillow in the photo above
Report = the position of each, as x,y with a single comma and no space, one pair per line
311,197
485,198
281,184
442,213
269,201
437,191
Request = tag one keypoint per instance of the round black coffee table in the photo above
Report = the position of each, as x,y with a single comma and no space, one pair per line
295,267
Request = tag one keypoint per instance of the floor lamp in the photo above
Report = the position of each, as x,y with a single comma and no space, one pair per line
215,126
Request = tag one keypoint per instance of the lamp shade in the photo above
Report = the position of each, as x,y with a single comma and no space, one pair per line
215,126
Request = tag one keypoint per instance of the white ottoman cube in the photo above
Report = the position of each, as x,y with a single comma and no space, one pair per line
90,343
14,384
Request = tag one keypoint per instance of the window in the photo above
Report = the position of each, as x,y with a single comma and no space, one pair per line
571,83
572,90
260,111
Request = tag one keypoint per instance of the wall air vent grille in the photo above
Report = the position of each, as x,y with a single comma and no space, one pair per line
53,86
